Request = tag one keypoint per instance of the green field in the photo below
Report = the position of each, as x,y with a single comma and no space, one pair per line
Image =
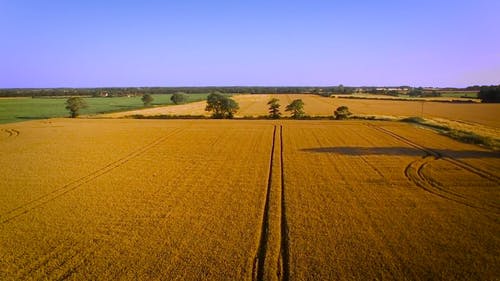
459,94
22,109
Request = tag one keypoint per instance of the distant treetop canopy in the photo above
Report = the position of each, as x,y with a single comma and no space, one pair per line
140,91
489,94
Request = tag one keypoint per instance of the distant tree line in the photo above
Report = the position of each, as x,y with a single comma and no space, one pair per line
296,108
421,93
141,91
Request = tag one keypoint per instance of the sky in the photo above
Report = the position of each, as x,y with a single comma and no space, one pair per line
249,43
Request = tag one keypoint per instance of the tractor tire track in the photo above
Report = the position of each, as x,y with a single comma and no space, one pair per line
375,168
456,162
51,196
285,244
473,202
11,132
366,213
64,255
433,182
8,132
474,170
271,261
415,173
259,260
62,258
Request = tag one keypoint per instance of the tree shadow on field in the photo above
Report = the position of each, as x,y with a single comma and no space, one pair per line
124,106
395,151
31,117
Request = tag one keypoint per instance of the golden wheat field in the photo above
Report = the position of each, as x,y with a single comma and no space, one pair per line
123,199
477,117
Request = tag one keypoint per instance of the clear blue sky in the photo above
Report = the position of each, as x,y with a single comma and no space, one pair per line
195,43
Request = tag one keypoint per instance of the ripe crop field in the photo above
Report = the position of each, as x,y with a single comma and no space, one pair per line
90,199
255,105
380,206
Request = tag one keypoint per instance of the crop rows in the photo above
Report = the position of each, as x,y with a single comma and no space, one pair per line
249,200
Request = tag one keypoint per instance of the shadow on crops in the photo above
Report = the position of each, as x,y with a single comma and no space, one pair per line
125,106
31,117
396,151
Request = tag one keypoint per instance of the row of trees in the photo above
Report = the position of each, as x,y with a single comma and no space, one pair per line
296,107
223,106
176,98
140,91
75,104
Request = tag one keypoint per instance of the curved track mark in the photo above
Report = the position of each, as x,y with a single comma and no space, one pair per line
456,162
11,132
15,132
414,172
460,198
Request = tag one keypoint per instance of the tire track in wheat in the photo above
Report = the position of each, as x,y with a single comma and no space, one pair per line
260,257
415,173
61,260
11,132
456,162
271,261
285,244
44,199
381,237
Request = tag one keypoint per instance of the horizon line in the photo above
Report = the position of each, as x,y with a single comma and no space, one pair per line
247,86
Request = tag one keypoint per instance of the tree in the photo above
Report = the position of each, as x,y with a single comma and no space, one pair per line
230,107
74,104
147,99
490,94
296,107
221,106
416,92
274,108
342,112
179,98
341,88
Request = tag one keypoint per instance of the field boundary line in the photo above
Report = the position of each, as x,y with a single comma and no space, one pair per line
46,198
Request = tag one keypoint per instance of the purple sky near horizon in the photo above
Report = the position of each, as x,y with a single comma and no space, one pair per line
255,43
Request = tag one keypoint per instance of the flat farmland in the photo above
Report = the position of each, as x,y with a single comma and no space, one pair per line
18,109
472,114
388,202
173,204
127,199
